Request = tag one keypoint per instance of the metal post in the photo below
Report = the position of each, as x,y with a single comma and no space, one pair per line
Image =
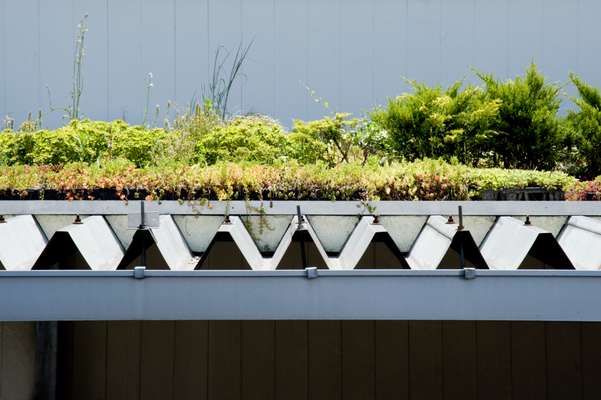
459,228
299,216
142,226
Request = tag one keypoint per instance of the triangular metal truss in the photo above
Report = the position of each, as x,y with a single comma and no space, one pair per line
91,243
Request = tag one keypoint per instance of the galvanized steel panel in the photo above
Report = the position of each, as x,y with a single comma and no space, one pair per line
21,242
513,244
581,240
93,240
440,245
172,245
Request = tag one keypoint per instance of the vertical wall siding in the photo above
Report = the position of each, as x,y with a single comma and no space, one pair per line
359,360
352,54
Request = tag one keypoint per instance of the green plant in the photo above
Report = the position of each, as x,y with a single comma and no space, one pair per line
585,125
420,180
436,122
337,139
527,131
185,132
72,111
249,138
220,86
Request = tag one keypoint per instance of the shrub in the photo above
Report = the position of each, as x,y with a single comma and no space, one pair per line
136,143
432,122
585,124
527,132
251,138
340,139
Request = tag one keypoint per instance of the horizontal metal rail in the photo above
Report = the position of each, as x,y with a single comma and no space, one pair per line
470,208
309,294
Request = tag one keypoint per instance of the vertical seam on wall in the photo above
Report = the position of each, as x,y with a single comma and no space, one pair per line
507,38
3,59
511,359
340,348
275,59
308,366
140,357
106,358
208,40
442,359
375,359
108,58
409,359
173,362
174,52
1,357
406,38
441,42
39,53
477,357
546,332
474,19
373,54
581,353
240,364
275,357
306,83
208,373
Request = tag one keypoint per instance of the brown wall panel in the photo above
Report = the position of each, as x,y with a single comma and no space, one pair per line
224,360
528,360
325,360
191,360
258,360
425,360
123,360
591,361
358,360
459,360
494,360
157,360
392,360
291,360
89,360
564,367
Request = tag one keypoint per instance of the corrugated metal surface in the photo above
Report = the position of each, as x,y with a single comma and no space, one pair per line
212,242
352,54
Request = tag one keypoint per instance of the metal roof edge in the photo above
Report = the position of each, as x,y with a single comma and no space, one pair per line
382,208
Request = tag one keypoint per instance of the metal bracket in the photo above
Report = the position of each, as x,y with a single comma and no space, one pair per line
142,218
311,273
469,273
139,272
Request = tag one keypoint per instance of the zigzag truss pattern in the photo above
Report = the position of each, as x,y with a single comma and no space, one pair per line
99,243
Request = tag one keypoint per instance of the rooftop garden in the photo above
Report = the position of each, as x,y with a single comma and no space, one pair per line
434,143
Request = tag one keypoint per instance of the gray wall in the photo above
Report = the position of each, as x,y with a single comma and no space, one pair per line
351,52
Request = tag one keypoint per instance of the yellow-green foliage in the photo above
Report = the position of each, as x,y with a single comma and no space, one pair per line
252,138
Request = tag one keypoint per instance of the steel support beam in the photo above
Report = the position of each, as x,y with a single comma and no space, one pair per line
363,294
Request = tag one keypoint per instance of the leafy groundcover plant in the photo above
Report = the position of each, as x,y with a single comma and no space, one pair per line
120,179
